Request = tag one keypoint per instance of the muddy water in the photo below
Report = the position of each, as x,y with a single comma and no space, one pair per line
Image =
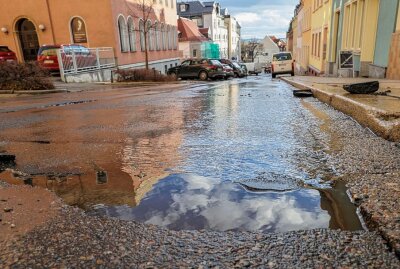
237,155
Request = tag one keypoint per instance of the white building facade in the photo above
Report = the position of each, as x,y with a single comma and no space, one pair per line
210,15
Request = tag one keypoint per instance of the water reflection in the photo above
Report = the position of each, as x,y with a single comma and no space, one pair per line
188,201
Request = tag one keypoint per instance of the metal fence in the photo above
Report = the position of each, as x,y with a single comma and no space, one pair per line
77,59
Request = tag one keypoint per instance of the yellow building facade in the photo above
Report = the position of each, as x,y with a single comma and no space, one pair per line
304,36
394,58
320,29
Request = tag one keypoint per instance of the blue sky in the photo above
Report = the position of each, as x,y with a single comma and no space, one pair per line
259,18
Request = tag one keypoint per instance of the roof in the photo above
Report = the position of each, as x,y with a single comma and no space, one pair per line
205,32
189,31
195,8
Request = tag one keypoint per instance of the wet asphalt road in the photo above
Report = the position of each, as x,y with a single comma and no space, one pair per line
242,155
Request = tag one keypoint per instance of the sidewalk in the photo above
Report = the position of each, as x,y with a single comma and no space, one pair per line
380,113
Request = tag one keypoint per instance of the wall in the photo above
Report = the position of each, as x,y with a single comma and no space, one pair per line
393,71
163,14
320,20
101,25
386,27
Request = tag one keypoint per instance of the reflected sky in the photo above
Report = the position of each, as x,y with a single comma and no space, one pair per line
189,202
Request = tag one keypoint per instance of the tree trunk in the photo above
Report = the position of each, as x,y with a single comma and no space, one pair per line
146,51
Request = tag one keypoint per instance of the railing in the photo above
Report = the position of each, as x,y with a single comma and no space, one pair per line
78,59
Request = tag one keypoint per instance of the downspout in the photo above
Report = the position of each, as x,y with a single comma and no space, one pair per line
51,21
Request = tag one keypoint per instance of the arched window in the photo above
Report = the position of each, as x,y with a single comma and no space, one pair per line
168,37
141,30
123,34
132,34
157,36
150,35
163,37
78,30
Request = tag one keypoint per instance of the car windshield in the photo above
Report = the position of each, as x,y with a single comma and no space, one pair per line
4,49
282,57
48,51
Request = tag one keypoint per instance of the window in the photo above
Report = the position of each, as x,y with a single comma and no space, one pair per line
163,39
132,34
123,34
169,37
157,35
150,35
194,53
141,31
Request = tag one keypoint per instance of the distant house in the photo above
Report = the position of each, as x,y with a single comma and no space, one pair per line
190,38
281,43
269,47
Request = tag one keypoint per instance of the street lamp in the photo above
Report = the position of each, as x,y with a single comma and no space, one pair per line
4,30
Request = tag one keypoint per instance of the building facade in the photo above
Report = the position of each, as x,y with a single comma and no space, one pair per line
269,47
210,15
320,28
234,38
304,36
394,55
190,39
118,24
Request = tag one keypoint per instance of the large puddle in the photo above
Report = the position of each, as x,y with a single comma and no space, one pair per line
238,156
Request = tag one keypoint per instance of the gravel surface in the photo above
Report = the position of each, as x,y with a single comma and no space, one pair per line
369,165
76,240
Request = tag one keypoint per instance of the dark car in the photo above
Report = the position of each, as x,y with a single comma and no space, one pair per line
198,68
47,56
228,71
7,55
237,70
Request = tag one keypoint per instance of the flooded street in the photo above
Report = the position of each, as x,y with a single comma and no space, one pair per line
235,155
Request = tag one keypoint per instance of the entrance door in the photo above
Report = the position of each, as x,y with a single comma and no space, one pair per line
28,39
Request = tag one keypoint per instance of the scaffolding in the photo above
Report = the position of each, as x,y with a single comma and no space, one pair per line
210,50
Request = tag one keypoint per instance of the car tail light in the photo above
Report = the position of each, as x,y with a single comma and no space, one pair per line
213,67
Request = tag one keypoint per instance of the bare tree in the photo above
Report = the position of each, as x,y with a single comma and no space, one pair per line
146,10
254,48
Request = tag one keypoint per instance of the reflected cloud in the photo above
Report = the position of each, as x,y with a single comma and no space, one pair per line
195,202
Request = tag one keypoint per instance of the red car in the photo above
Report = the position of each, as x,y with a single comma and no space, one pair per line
47,57
7,55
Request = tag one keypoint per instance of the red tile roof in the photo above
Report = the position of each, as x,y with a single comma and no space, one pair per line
189,31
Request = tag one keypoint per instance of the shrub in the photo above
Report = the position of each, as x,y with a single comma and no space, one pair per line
126,75
24,76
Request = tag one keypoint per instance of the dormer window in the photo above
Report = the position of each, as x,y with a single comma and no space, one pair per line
183,7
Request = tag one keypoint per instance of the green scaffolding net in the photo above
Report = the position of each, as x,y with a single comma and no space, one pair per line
210,50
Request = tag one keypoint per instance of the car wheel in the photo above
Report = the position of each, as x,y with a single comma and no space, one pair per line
292,74
203,75
273,75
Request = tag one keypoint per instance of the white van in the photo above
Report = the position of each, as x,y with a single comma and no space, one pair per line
282,63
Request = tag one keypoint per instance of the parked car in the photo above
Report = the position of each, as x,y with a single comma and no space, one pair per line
237,70
202,69
7,55
254,68
47,56
228,71
282,63
244,68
